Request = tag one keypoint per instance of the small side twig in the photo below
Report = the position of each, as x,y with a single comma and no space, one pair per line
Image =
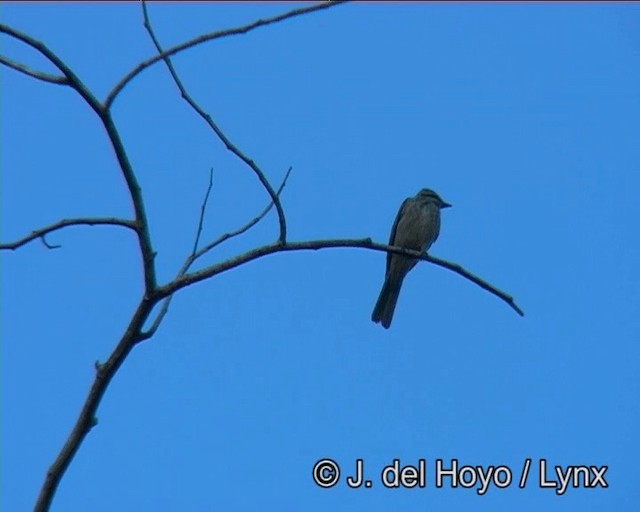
43,239
81,221
39,75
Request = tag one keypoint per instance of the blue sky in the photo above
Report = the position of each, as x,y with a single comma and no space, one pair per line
525,117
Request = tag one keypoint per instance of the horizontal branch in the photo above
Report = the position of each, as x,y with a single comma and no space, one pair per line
88,221
314,245
45,77
210,37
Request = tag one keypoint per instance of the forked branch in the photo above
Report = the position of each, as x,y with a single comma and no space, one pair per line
210,37
39,75
216,129
198,253
135,193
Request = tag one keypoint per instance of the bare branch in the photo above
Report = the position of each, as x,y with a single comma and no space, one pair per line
135,193
88,221
480,282
225,140
39,75
87,418
210,37
314,245
194,256
202,211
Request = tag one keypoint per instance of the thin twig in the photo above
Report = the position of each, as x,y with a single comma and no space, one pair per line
212,124
43,239
85,221
480,282
367,243
248,225
202,211
210,37
39,75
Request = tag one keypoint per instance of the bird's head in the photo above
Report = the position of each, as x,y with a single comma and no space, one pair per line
429,195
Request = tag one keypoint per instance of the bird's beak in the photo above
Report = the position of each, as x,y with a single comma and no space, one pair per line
446,205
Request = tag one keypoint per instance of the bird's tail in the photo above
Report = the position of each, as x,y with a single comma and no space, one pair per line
384,308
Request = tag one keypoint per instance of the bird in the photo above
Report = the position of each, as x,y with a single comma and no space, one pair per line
416,227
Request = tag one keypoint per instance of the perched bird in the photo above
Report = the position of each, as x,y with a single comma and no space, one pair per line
416,227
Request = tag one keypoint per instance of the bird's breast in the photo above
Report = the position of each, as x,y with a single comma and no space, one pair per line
418,227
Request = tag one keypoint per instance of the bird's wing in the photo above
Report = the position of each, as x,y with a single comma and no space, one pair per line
392,237
436,228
